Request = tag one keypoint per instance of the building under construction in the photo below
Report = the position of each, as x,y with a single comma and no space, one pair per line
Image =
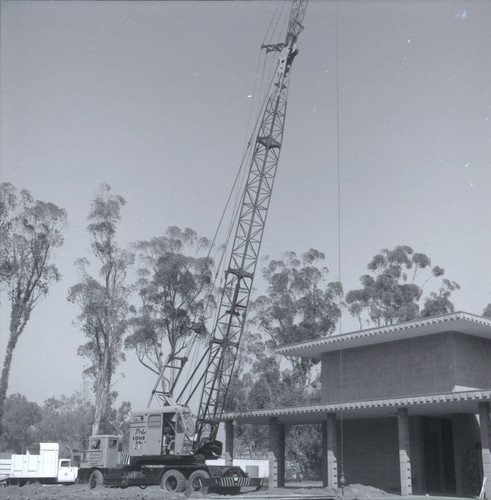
405,408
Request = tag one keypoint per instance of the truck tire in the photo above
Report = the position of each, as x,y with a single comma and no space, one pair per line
194,482
96,479
173,481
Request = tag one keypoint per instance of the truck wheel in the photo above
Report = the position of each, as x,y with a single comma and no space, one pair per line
96,479
173,481
194,481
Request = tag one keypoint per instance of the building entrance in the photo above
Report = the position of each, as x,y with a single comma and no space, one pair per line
438,455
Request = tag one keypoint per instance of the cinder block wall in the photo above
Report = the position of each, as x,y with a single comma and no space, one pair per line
410,367
471,356
371,453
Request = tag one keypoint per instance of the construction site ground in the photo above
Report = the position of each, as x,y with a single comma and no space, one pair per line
293,491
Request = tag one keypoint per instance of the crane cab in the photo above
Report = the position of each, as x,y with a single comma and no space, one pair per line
102,451
165,431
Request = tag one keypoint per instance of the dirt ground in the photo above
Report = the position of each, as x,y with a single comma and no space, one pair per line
83,492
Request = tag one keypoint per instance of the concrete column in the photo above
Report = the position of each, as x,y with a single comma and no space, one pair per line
273,471
228,459
229,437
277,447
404,453
329,452
485,427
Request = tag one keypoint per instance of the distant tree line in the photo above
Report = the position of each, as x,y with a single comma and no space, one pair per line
66,420
156,297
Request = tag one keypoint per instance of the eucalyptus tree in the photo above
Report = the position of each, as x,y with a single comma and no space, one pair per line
300,304
20,421
30,232
103,300
175,285
393,290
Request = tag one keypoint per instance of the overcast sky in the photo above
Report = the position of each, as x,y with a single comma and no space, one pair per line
153,98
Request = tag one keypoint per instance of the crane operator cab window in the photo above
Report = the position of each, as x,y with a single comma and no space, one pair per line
95,444
187,423
169,434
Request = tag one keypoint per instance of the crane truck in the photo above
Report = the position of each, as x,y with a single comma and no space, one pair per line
168,445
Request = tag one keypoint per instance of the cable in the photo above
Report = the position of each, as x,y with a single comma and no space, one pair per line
241,177
280,2
342,478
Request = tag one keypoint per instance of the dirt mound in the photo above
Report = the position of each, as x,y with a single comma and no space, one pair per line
83,492
362,491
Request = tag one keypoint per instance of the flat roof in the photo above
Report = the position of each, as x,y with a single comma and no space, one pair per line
460,401
462,322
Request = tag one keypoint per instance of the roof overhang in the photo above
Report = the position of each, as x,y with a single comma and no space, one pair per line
429,405
456,322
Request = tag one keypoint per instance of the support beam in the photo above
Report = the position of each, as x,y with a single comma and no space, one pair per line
329,452
229,437
277,447
404,452
485,427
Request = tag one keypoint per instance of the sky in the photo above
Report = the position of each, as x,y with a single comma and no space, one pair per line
154,99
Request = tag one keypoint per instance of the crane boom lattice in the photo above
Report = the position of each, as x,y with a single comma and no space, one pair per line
239,277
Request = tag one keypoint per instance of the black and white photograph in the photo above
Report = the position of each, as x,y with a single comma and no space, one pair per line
245,249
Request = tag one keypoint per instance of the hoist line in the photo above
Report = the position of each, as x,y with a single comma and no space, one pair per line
236,187
247,241
278,18
240,170
278,3
338,155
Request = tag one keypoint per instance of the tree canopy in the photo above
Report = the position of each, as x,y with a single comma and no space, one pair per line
30,232
300,305
392,292
19,423
175,287
103,300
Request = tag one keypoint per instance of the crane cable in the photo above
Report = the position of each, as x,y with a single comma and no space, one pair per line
237,186
342,478
265,91
239,181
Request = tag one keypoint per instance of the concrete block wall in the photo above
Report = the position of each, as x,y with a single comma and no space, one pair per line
371,452
471,361
422,365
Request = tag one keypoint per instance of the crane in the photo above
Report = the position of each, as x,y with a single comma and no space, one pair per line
223,347
249,232
169,446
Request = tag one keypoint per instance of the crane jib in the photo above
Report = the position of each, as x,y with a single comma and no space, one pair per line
219,358
248,237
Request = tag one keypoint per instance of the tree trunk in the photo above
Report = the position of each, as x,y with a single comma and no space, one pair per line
16,328
102,390
4,380
100,404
